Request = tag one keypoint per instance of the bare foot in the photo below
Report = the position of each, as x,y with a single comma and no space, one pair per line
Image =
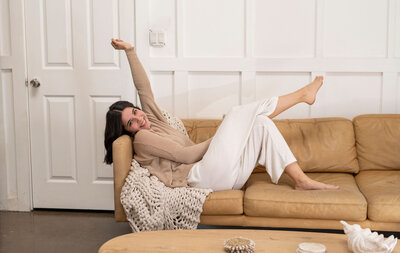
310,184
309,92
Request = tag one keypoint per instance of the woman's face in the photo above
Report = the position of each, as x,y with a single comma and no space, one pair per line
134,120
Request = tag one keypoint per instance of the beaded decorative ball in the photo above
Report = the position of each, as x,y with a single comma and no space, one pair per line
239,245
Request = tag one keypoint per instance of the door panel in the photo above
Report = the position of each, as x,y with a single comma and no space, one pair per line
81,75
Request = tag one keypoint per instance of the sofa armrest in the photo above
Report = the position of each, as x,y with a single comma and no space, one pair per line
122,154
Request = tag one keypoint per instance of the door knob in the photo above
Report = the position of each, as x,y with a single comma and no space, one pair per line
35,83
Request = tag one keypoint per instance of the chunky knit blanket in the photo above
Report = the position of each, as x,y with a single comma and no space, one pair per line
150,205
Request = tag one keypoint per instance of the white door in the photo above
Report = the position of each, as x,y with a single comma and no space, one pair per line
80,75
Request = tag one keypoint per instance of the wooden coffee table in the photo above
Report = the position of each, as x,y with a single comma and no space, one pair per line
212,240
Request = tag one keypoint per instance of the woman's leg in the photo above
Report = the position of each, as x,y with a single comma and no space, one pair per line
218,169
267,147
303,182
277,158
215,169
306,94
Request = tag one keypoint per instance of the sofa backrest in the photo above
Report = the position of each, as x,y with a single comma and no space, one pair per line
200,130
319,145
378,141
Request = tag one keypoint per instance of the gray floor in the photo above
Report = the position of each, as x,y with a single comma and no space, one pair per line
69,231
57,231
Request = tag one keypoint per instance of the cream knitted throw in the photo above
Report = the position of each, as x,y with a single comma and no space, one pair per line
150,205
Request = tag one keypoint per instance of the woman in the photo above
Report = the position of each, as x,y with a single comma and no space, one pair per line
246,137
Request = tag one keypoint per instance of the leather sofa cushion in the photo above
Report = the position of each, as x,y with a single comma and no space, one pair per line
382,191
200,130
224,202
264,199
321,145
378,138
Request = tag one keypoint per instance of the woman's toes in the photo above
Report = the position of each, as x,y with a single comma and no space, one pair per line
332,187
310,91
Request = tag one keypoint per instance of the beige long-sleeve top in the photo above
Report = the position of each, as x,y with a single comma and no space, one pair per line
164,151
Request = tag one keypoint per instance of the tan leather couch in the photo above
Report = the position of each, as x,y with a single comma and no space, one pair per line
361,156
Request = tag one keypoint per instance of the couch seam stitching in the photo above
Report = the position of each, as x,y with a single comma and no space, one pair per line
305,203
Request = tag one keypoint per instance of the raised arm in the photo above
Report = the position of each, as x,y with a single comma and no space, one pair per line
139,76
155,145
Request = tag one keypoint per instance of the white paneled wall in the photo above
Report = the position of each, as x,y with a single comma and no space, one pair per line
223,53
163,88
213,28
212,94
284,29
395,24
162,16
361,30
397,93
276,84
349,94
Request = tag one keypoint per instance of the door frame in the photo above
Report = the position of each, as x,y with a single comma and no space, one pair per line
17,179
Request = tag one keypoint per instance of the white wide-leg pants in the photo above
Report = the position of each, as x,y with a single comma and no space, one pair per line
245,138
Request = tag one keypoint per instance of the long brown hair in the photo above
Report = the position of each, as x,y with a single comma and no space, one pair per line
114,127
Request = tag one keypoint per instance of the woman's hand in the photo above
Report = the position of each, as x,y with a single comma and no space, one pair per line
120,44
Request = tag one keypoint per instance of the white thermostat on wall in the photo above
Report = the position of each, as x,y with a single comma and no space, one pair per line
157,38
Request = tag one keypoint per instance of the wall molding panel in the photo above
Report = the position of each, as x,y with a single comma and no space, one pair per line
220,32
265,64
181,105
389,92
270,84
361,31
349,94
164,19
247,87
162,83
391,35
366,51
211,93
398,94
282,32
394,34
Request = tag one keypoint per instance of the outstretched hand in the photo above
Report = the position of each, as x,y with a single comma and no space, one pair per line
120,44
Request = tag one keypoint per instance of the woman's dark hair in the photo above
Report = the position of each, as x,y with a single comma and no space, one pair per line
114,127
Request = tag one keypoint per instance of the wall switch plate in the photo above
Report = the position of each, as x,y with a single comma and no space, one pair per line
157,38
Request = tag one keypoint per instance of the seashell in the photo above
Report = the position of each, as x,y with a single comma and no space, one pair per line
364,241
239,245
